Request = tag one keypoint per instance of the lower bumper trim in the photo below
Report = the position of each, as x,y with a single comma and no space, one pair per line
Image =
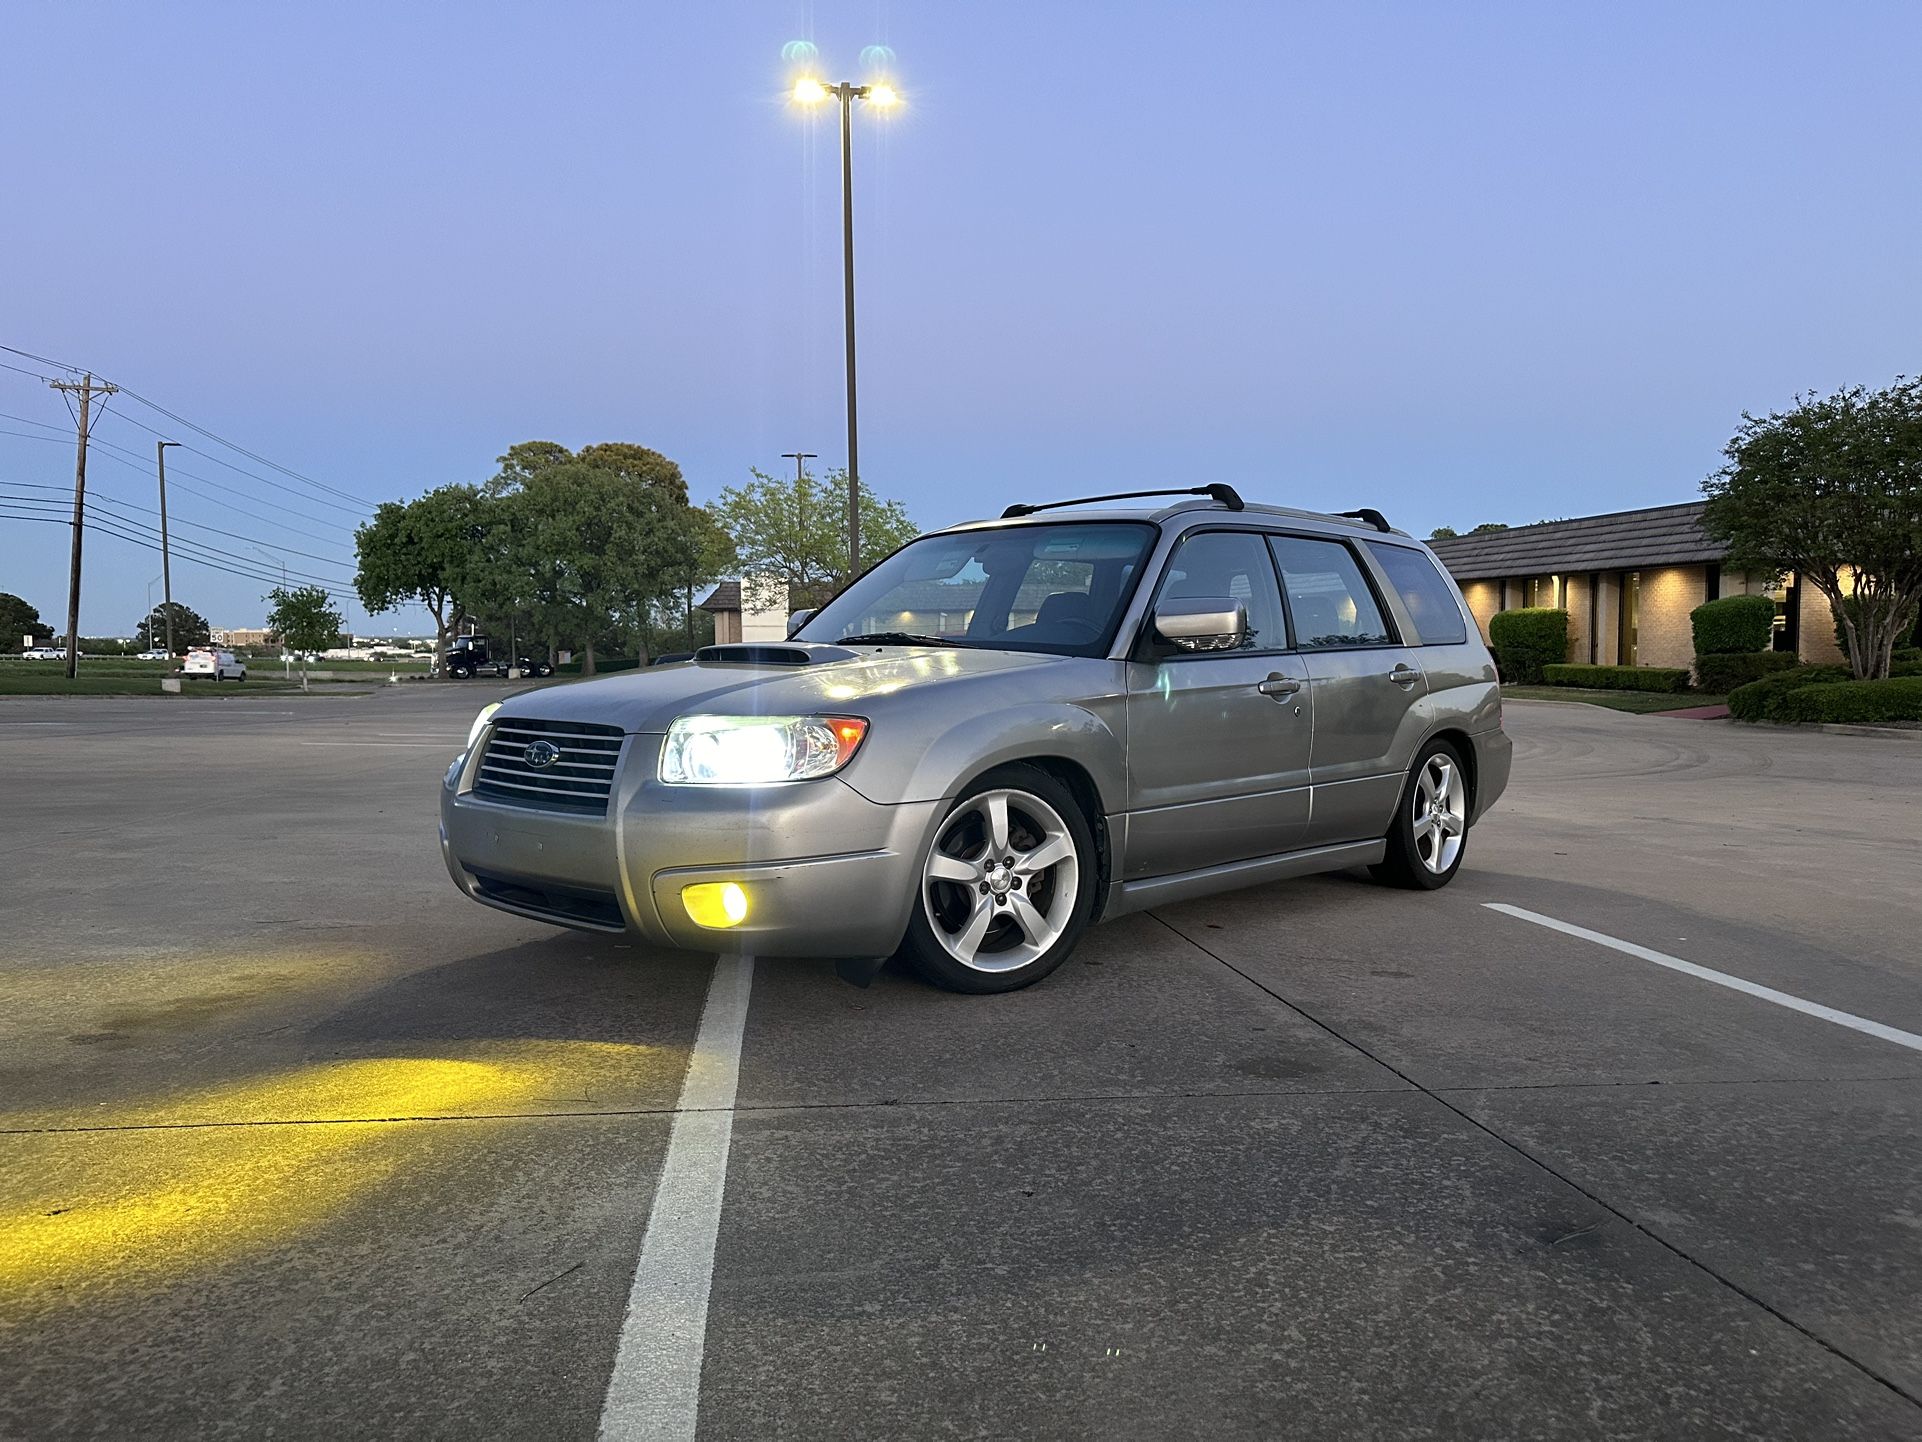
564,905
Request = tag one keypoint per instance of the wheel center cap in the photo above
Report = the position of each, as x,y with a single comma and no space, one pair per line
999,879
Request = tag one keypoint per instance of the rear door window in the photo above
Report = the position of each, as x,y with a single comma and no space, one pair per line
1329,600
1426,593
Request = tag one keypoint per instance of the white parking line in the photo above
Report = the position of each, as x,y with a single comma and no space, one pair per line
1734,983
655,1390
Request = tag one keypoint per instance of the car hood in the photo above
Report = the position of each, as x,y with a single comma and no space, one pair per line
650,698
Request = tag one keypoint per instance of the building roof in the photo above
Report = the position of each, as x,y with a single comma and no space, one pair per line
724,597
1619,541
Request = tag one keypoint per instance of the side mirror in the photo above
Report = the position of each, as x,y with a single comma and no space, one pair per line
797,619
1202,623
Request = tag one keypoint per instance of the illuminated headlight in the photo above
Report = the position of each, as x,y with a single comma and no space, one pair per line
755,750
480,723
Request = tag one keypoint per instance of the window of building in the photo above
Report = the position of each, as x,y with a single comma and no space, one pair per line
1233,564
1429,598
1328,597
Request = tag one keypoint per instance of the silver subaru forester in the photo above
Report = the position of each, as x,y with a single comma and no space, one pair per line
1002,733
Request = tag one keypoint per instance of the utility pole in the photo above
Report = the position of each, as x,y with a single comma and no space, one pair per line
86,389
800,459
166,564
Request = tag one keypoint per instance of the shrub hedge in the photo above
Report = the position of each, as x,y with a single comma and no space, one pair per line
1762,700
1723,673
1619,678
1733,625
1897,699
1525,640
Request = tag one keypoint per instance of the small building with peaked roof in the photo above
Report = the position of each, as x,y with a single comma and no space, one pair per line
1628,580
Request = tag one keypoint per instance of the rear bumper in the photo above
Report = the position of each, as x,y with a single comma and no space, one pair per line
1494,757
826,872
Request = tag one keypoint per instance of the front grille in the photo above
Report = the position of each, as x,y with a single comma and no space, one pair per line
579,780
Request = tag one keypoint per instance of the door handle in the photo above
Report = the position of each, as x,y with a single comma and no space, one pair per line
1279,686
1404,674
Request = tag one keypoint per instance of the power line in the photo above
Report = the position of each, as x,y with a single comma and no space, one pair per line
134,523
198,429
196,525
105,528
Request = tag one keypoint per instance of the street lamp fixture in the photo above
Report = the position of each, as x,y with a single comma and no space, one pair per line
809,91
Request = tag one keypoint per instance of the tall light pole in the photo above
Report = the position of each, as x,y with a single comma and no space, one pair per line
812,92
800,459
166,561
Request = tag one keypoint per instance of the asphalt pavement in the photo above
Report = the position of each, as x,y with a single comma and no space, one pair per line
295,1141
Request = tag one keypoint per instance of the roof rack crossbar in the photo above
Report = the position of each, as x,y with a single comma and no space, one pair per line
1227,495
1370,516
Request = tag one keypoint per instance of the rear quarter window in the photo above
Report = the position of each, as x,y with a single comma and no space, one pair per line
1427,594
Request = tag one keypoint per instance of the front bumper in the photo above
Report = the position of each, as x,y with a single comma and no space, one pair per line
826,871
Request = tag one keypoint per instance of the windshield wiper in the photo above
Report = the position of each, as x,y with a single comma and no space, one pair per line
897,638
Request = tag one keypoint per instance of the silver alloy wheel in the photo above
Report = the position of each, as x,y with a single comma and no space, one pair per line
1440,814
1001,880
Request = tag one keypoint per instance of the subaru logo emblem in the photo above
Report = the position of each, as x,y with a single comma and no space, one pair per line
541,754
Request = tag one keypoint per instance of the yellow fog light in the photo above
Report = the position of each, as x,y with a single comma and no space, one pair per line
716,904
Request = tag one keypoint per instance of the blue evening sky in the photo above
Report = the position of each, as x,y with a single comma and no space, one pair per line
1457,261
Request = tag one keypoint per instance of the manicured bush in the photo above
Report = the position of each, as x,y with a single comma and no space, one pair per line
1525,640
1619,678
1722,674
1897,699
1762,700
1733,625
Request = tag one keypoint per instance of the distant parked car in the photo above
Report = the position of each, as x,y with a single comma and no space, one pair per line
217,664
153,655
45,653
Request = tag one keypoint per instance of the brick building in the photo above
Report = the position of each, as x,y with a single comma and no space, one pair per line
1628,581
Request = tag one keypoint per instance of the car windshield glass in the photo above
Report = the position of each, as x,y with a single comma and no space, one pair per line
1040,587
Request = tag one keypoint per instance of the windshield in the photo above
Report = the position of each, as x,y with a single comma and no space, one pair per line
1049,587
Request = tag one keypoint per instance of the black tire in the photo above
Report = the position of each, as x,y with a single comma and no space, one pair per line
460,673
1412,859
927,953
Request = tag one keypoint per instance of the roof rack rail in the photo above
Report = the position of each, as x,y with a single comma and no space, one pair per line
1227,495
1370,516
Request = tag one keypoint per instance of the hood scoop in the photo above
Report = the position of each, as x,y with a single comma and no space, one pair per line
771,653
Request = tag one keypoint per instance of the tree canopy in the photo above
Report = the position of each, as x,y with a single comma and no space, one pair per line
303,619
18,619
1831,490
190,627
798,528
429,550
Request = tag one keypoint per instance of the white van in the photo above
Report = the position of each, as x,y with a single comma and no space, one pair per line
217,664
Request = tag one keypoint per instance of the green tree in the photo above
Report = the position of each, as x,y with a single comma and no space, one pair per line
190,628
305,620
636,464
1488,526
18,619
1443,533
432,550
590,556
1831,489
798,529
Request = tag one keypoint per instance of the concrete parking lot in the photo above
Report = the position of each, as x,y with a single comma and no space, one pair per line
296,1141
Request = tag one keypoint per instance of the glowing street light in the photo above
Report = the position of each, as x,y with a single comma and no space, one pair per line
809,91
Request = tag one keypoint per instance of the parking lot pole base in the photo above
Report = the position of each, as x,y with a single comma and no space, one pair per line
859,970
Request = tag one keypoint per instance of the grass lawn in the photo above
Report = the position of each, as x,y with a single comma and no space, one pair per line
1640,702
57,684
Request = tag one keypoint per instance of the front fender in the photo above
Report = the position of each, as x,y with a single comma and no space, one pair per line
968,745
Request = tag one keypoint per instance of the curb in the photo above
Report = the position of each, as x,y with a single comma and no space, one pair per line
1838,728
